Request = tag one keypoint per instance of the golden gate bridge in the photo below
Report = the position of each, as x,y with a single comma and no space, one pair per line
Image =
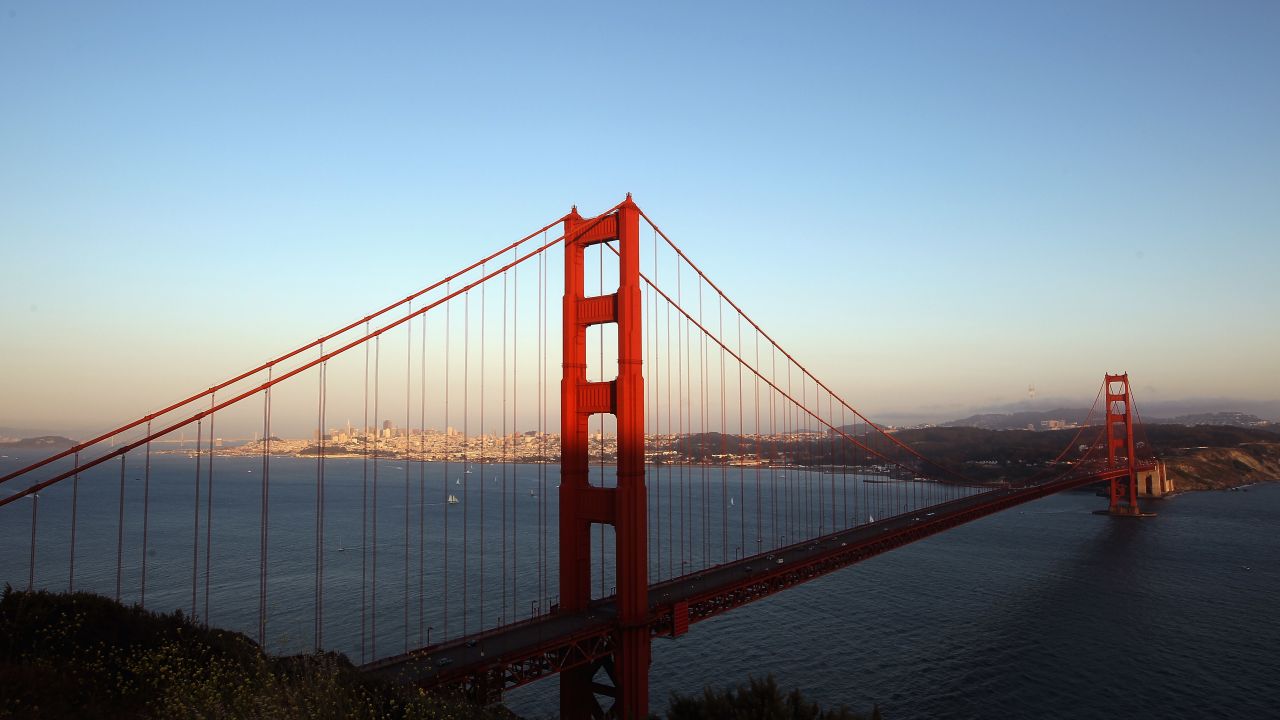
701,467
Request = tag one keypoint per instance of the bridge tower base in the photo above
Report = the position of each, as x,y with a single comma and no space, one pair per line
582,504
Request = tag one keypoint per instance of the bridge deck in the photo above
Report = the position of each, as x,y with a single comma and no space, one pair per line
485,664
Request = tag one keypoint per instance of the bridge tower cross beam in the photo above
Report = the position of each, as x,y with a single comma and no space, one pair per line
583,504
1123,496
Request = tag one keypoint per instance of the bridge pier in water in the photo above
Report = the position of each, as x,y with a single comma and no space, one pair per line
583,504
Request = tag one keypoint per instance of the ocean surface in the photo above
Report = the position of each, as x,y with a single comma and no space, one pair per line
1044,611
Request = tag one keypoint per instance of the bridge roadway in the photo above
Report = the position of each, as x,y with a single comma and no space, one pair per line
482,666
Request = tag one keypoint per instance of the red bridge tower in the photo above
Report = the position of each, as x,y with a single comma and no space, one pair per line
583,504
1120,446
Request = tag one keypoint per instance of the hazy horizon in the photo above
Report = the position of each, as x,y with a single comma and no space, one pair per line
1266,410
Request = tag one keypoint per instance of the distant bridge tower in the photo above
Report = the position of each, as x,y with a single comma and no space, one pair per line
1123,492
581,503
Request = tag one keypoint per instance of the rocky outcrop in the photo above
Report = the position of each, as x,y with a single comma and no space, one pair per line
1217,468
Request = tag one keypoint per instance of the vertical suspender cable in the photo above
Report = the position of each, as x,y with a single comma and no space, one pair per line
704,401
786,455
540,416
830,457
422,484
466,449
811,518
651,326
266,513
364,503
724,447
75,498
671,506
844,470
801,474
796,477
515,429
195,522
545,599
448,446
601,440
805,489
658,508
480,595
682,362
787,429
373,520
408,425
653,427
265,510
35,513
506,299
321,412
120,531
759,445
208,511
742,471
146,507
773,444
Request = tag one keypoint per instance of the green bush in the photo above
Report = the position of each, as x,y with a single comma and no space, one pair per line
79,655
758,700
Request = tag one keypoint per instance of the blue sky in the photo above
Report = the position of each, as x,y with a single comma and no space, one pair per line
1011,193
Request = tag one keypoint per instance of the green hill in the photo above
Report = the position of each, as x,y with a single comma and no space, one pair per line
81,655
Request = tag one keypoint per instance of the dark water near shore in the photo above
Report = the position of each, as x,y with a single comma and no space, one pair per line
1045,611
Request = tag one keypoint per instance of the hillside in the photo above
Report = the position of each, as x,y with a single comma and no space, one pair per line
79,655
1199,457
1021,420
1217,468
44,442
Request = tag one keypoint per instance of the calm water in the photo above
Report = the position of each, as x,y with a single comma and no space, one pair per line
1045,611
1041,612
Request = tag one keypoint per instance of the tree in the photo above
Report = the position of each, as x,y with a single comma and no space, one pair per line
759,699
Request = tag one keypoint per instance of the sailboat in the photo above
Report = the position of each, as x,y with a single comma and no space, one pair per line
458,481
730,502
453,500
871,518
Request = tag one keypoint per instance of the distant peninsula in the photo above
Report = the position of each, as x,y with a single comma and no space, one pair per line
44,442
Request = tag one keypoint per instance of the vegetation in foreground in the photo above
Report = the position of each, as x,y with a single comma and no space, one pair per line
760,699
79,655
